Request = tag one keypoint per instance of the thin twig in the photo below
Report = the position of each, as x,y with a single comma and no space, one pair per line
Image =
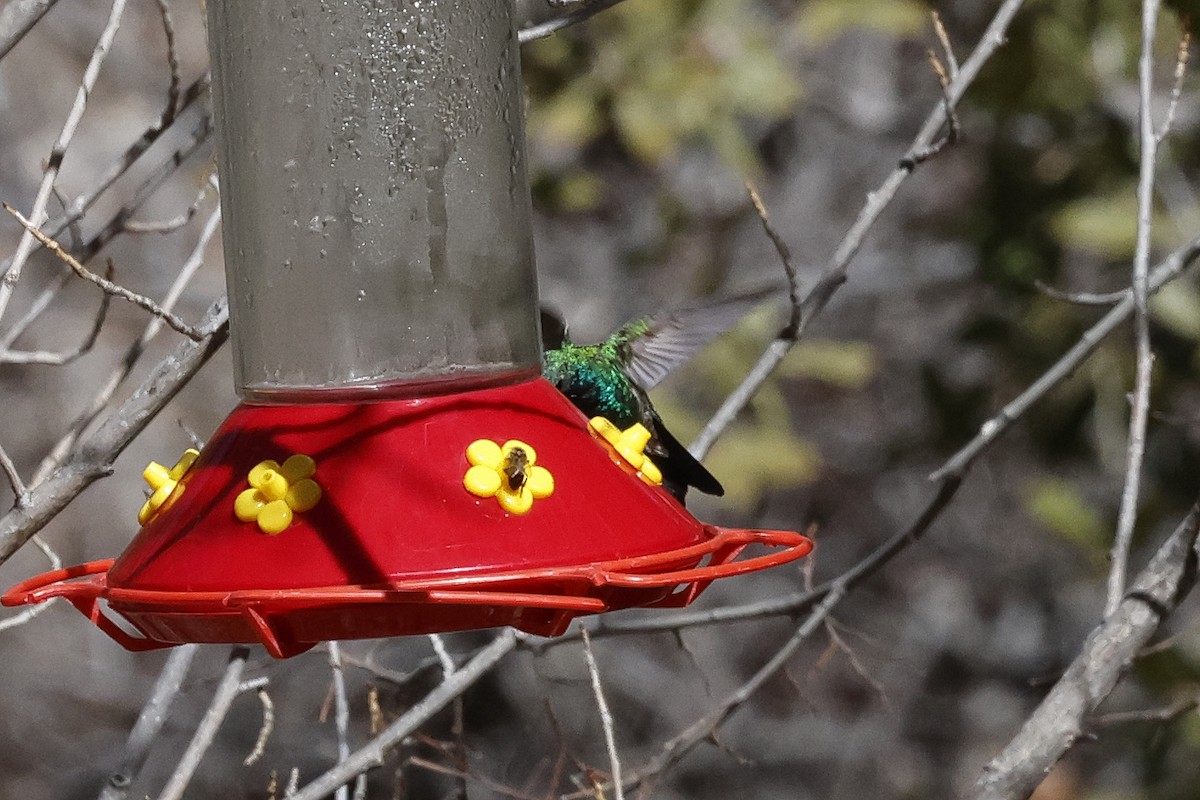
207,730
20,490
458,726
1158,716
63,447
1082,298
706,726
490,783
341,712
96,453
1136,447
59,151
913,158
369,755
543,29
785,256
65,357
174,223
1181,61
944,39
164,12
22,617
606,719
139,300
149,723
17,17
1107,653
264,732
194,96
1167,270
834,274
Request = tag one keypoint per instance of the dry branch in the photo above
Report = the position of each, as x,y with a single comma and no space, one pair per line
94,457
1105,656
453,686
17,18
834,274
149,723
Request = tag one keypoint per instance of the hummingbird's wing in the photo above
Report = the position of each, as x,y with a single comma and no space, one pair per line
656,345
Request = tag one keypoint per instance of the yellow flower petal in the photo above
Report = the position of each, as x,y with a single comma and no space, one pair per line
484,453
650,473
275,517
482,481
611,433
298,467
260,469
303,494
247,505
540,483
184,464
516,502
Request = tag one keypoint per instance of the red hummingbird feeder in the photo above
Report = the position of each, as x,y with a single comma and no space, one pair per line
397,466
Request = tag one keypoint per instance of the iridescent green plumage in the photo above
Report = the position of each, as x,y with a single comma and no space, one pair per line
611,379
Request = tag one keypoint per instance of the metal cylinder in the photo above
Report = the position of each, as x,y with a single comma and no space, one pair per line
374,196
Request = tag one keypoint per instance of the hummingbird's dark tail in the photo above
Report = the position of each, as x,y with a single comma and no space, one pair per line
680,468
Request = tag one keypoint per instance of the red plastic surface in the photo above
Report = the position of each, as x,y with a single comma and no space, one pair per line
396,545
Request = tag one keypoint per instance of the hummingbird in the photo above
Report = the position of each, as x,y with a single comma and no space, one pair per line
612,378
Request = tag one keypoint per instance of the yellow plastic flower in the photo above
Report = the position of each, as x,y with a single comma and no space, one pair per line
163,481
630,444
276,492
507,472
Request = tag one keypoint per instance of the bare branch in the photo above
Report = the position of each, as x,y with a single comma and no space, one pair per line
606,719
341,712
1166,271
1136,448
20,490
1181,61
67,442
17,17
96,453
80,205
1158,716
66,357
59,151
1082,298
108,286
1105,656
164,12
944,40
268,725
174,223
207,730
835,272
544,29
453,686
149,722
785,256
913,158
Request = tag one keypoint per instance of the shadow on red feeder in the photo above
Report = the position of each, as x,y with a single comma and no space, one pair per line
367,525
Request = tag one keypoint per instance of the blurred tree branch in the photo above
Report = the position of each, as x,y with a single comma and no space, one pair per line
1104,657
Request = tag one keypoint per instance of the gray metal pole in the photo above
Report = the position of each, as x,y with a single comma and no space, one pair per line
374,195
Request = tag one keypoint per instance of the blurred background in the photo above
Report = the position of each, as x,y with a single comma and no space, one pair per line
643,124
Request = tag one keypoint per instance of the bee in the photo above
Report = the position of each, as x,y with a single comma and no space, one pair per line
516,464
